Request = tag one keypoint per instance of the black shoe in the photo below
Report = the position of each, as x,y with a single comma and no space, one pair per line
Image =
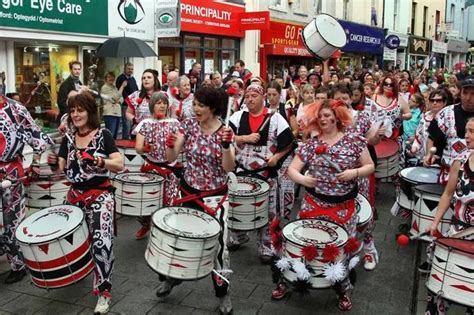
424,267
15,276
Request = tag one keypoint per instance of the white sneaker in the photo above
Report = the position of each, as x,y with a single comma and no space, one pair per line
369,262
103,304
225,306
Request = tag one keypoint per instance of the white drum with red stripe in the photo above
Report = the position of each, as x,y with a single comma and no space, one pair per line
46,191
138,194
426,198
452,271
411,177
320,233
132,160
387,152
56,246
183,243
248,204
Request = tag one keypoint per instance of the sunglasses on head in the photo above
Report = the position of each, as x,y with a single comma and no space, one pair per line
388,84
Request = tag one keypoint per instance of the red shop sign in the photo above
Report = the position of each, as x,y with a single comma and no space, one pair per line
259,20
210,17
285,39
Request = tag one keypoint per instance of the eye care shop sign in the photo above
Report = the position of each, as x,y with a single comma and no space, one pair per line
75,16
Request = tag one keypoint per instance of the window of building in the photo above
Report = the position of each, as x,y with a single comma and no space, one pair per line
425,19
301,7
413,16
395,14
279,5
345,10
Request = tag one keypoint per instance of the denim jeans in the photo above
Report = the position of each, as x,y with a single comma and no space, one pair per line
125,124
112,123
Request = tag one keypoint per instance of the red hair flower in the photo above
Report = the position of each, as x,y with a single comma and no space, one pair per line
352,246
309,252
231,91
331,252
321,149
274,225
159,116
360,107
139,100
277,241
174,91
179,112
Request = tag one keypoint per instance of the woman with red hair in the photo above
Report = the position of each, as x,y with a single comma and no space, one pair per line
334,159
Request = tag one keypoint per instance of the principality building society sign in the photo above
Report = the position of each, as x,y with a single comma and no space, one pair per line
95,17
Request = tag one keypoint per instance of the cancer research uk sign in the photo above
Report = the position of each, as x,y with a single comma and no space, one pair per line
363,38
75,16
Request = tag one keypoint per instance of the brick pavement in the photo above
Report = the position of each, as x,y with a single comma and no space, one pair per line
387,290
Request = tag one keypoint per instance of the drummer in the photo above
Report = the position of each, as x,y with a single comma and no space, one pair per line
86,157
264,139
448,128
334,160
138,101
460,186
210,154
17,128
151,141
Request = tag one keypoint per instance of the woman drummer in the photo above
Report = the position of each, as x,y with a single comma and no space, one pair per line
460,189
334,160
138,101
86,156
151,138
209,155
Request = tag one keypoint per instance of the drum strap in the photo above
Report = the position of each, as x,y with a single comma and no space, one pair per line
8,168
197,198
163,169
330,212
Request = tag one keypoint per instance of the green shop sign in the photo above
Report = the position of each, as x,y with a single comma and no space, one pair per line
76,16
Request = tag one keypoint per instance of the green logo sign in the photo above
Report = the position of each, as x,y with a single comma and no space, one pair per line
131,11
166,18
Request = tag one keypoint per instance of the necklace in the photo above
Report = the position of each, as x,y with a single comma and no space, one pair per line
84,134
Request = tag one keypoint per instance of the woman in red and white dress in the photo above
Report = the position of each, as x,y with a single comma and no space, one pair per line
210,154
181,99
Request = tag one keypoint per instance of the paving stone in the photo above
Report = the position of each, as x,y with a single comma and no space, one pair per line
68,294
90,300
133,305
25,304
245,306
59,308
377,307
276,309
165,308
242,289
201,301
7,295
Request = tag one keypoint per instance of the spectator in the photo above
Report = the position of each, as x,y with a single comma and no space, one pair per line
14,96
130,87
112,98
164,73
216,79
171,80
239,66
71,83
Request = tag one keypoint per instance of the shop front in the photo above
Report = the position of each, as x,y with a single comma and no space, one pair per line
38,42
419,52
457,52
396,58
210,35
282,46
364,46
438,51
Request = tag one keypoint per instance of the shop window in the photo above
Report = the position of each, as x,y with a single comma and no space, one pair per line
169,41
228,43
170,56
191,56
39,71
211,42
193,41
211,61
228,60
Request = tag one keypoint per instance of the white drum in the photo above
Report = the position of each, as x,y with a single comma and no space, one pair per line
45,192
452,273
426,199
248,205
28,158
320,233
409,178
56,246
323,36
132,160
183,243
363,210
138,194
387,159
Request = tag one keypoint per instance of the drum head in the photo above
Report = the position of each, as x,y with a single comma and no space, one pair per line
125,143
314,231
138,178
330,29
433,189
249,186
422,175
49,224
363,208
186,222
458,244
386,148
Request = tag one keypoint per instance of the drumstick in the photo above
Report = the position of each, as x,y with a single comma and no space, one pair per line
267,121
404,240
230,92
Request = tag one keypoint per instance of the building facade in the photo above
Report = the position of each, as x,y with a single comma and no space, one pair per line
397,18
456,32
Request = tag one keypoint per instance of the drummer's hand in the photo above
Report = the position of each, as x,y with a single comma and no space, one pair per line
309,181
272,161
148,147
347,175
252,138
171,140
381,131
429,160
227,137
433,229
85,158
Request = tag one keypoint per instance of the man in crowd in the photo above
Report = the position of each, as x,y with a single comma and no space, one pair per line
72,83
171,81
245,74
130,87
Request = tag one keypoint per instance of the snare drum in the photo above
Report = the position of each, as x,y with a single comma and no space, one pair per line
452,273
426,198
320,233
138,194
46,192
387,158
409,178
248,205
183,243
56,246
132,160
364,210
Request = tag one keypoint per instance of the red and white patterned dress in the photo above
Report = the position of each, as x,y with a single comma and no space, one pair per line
139,106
